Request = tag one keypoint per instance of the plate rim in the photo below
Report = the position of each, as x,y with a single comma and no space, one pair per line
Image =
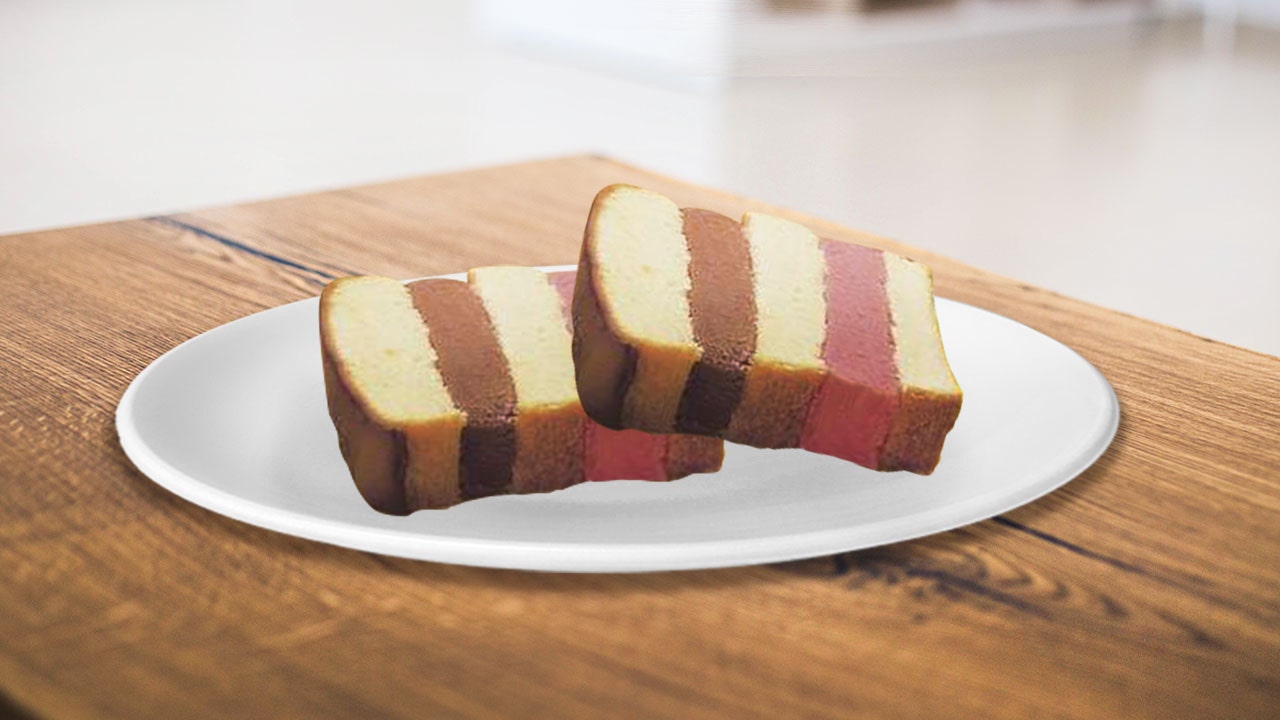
576,557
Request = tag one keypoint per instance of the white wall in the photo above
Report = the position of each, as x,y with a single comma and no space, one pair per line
669,38
1264,13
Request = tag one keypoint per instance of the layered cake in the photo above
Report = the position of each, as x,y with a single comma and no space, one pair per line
443,391
758,332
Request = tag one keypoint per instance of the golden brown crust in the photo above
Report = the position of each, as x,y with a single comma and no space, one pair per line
432,471
918,431
549,453
688,454
604,366
375,455
775,403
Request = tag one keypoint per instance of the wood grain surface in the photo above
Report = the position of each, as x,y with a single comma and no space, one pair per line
1148,587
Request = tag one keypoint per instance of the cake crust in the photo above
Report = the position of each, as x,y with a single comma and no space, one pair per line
375,455
604,365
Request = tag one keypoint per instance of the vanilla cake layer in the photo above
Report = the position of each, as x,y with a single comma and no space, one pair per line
791,312
443,391
930,400
525,312
796,341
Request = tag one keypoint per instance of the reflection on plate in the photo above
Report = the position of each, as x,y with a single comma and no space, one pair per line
235,420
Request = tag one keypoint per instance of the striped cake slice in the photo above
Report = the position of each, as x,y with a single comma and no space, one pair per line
758,332
443,391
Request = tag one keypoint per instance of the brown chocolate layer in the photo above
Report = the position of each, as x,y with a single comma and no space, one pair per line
603,365
479,381
722,309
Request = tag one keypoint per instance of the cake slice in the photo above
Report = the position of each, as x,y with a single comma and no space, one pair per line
758,332
443,391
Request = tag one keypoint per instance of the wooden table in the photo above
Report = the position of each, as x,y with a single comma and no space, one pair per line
1148,587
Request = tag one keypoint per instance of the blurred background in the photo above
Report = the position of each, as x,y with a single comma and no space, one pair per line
1126,152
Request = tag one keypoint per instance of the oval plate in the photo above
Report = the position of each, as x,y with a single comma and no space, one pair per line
235,420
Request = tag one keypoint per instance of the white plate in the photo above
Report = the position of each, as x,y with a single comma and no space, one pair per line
235,420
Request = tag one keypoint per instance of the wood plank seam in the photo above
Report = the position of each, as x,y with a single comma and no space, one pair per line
1073,547
12,709
946,579
1200,592
894,565
951,578
321,278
